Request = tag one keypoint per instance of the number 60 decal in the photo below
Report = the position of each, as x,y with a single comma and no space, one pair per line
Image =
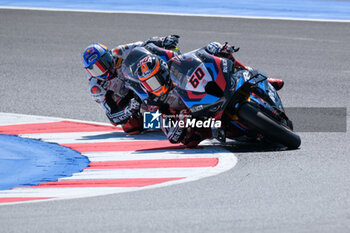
196,77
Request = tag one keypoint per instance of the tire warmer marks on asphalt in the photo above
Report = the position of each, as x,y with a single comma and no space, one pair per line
118,162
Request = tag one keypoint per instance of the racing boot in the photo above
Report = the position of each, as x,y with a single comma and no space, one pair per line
219,134
133,126
276,83
195,136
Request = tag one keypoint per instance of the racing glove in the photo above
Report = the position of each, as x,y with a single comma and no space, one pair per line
175,133
220,50
132,107
122,116
227,51
169,42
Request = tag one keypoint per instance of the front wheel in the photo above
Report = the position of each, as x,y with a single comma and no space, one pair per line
268,127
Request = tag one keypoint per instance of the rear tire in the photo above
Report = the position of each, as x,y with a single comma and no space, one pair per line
268,127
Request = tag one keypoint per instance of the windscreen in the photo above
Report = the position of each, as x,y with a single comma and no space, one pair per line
189,73
181,67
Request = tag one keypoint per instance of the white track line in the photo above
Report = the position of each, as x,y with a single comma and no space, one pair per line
62,193
137,173
92,137
18,119
208,152
174,14
5,119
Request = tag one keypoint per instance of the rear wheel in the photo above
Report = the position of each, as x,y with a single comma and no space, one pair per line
268,127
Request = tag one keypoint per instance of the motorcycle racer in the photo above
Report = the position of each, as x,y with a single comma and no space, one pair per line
154,75
107,83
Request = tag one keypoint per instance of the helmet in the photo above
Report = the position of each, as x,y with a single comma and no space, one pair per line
154,74
98,61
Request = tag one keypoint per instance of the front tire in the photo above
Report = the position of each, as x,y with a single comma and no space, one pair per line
268,127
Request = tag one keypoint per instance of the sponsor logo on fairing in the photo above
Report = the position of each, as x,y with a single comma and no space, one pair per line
92,58
246,76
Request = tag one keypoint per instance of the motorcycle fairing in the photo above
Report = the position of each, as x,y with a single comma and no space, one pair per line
266,95
165,54
192,72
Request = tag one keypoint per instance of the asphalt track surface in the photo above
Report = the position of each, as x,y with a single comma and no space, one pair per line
305,190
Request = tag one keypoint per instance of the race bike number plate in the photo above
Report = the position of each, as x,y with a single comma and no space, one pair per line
198,79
